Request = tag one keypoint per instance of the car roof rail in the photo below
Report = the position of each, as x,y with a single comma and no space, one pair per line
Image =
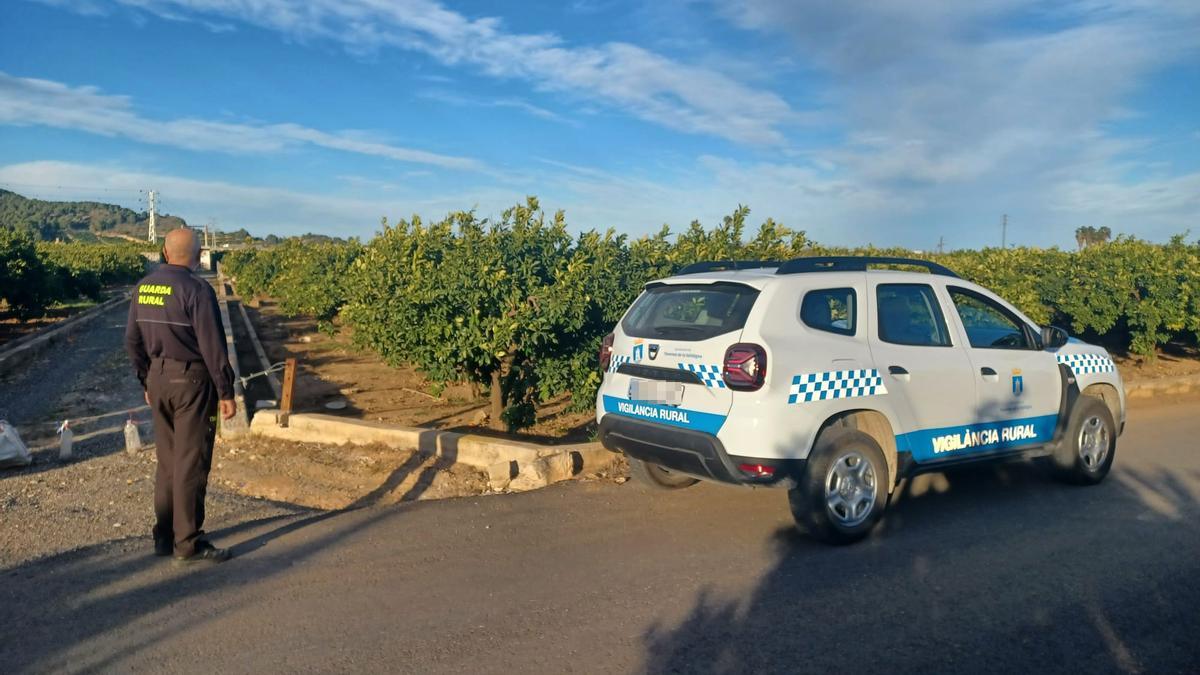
726,266
851,263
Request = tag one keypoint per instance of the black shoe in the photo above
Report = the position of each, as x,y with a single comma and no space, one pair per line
205,552
163,548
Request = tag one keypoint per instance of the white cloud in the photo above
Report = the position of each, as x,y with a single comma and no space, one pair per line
1156,199
934,92
28,101
953,113
452,98
966,110
260,209
830,209
680,96
592,198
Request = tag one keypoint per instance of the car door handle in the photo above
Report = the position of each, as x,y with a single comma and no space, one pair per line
989,374
899,372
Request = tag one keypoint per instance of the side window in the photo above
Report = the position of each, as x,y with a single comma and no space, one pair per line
830,309
909,315
988,324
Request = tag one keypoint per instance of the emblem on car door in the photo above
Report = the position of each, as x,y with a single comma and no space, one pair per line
1018,382
653,352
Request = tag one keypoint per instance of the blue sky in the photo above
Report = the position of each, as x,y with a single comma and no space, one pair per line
893,122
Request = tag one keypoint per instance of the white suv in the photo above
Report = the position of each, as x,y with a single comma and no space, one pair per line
835,380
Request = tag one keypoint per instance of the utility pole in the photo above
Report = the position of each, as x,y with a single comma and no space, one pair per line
1004,232
152,235
206,241
941,245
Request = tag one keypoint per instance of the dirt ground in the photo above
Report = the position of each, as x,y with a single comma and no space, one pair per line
105,494
1173,360
337,477
102,494
12,328
332,369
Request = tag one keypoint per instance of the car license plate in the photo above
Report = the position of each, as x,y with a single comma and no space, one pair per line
651,391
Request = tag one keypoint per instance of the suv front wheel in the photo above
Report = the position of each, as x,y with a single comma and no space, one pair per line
844,489
1086,451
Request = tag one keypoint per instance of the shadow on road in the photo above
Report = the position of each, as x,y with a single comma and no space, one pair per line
371,499
114,586
983,569
1061,578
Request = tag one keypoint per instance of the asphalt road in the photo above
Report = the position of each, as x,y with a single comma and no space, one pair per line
986,570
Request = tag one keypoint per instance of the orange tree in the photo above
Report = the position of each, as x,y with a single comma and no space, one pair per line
519,305
505,304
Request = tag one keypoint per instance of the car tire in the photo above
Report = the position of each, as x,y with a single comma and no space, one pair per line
655,476
843,490
1089,444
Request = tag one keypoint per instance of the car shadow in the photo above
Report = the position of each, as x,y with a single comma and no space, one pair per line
1051,582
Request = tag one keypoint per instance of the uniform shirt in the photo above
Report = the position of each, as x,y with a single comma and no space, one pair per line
174,315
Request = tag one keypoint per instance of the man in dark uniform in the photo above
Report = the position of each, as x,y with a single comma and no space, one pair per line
176,341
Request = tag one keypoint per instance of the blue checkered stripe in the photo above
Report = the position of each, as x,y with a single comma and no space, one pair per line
835,384
617,362
710,375
1087,364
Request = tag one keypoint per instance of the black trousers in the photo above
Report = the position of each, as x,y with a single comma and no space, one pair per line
184,403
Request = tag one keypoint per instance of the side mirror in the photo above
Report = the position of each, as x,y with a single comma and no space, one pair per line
1054,337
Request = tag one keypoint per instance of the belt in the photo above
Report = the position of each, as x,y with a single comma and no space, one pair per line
161,363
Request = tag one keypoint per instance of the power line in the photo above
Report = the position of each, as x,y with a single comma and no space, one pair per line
70,187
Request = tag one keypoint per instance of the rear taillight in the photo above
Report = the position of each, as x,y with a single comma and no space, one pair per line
606,352
745,367
757,471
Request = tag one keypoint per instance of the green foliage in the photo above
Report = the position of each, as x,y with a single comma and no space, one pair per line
86,269
305,278
253,269
25,281
466,299
517,305
1147,292
312,278
520,306
35,274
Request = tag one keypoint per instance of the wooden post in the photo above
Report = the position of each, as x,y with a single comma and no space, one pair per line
289,383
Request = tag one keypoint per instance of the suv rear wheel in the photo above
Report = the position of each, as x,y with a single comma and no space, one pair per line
1086,451
844,489
653,475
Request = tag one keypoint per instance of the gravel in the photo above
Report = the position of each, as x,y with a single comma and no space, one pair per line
101,494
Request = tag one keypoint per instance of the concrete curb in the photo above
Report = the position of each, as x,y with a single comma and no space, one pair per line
1184,384
510,465
20,351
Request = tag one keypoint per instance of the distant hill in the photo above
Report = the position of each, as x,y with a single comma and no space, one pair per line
89,221
77,220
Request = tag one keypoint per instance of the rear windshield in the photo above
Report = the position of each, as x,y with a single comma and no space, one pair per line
689,312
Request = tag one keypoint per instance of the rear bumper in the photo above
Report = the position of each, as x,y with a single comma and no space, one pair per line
691,452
